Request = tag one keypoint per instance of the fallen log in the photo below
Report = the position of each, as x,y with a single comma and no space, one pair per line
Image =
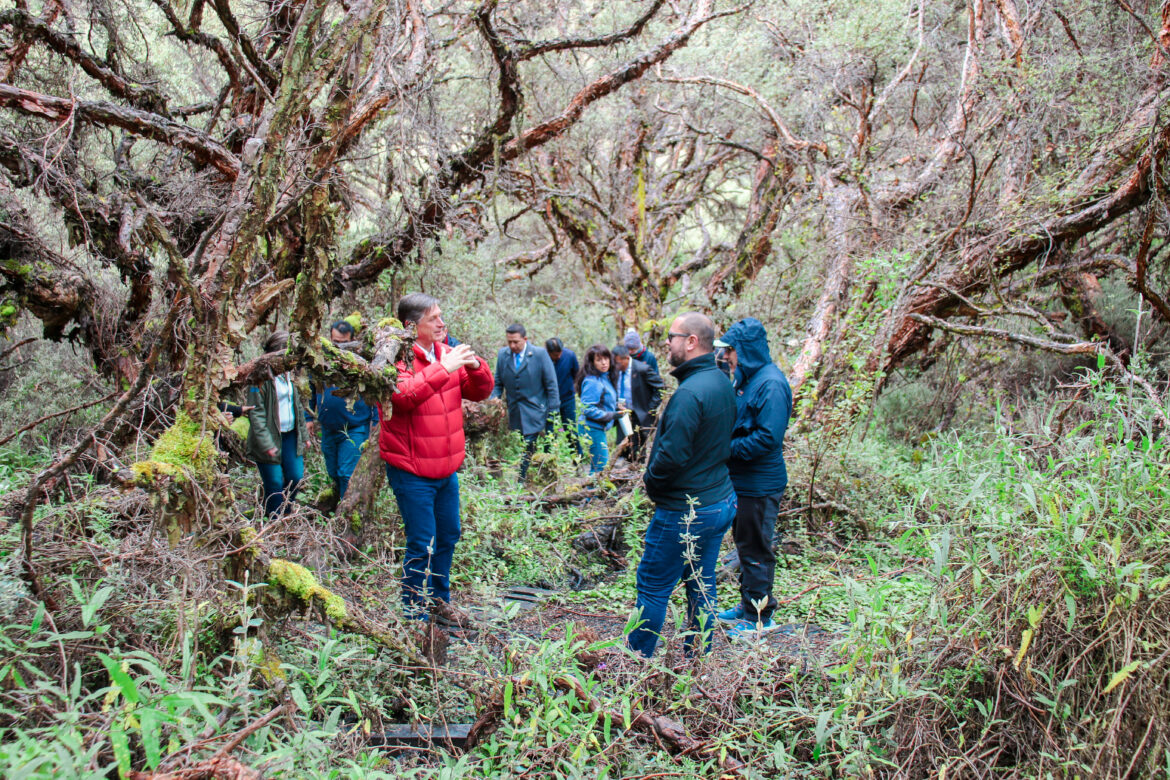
291,584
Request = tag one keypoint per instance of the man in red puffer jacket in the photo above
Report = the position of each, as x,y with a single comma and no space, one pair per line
422,442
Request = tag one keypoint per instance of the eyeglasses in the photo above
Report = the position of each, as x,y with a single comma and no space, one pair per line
670,336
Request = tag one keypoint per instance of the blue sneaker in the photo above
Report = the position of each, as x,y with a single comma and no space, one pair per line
750,629
733,615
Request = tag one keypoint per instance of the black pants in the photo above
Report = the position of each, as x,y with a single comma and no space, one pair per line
633,451
754,530
530,441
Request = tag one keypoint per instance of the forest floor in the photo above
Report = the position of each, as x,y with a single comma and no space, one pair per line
924,625
522,581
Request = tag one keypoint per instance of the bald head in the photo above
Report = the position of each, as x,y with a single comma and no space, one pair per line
691,334
702,327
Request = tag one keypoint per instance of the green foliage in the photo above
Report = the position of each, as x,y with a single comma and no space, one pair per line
1048,566
114,711
1027,555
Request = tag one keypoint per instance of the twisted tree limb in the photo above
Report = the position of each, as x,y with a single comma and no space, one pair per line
137,95
1061,348
491,149
204,149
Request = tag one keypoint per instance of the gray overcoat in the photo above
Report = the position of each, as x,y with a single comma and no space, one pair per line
531,391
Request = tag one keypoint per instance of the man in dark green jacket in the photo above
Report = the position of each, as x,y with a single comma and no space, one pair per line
688,481
763,405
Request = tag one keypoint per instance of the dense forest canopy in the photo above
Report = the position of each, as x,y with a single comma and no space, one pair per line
951,216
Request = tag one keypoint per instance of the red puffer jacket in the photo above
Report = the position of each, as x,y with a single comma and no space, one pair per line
424,434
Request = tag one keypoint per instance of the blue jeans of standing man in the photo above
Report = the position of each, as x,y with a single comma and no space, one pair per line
341,448
282,480
430,516
680,547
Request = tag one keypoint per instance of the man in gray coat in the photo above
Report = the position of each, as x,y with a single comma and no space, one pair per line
525,377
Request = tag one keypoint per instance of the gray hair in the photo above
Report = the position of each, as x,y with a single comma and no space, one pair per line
412,307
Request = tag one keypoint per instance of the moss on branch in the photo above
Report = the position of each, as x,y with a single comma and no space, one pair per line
298,581
182,452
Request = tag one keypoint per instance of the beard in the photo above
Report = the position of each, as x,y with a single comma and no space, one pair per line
676,358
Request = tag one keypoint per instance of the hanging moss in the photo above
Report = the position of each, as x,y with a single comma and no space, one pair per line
341,354
300,582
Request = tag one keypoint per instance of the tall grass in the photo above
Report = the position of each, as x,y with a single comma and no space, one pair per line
1042,648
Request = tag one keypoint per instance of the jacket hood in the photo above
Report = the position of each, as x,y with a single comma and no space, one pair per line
749,339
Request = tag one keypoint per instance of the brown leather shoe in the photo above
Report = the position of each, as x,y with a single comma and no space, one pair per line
446,615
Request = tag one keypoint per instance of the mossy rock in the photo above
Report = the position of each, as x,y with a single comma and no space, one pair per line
355,321
543,469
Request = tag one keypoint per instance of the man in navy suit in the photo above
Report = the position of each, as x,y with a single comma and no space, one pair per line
526,379
565,365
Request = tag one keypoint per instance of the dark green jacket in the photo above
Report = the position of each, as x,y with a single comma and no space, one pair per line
264,430
693,442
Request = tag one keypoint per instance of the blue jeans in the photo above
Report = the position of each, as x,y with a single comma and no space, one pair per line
282,480
666,560
430,515
598,447
341,448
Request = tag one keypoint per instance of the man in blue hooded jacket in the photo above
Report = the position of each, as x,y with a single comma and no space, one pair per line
763,403
344,421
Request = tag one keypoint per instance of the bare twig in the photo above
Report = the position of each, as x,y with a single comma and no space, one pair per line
48,417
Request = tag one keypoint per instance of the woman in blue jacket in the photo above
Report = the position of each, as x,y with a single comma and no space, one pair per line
597,386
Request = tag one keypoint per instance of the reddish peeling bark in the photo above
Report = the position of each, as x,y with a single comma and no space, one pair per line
204,150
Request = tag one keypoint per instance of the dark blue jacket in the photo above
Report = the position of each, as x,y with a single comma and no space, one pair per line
763,402
334,413
647,357
566,369
693,442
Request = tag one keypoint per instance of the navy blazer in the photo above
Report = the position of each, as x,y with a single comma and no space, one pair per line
531,391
